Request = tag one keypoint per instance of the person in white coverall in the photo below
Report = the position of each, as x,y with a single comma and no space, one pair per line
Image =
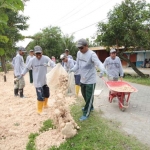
39,69
113,66
19,66
30,56
68,62
68,65
86,62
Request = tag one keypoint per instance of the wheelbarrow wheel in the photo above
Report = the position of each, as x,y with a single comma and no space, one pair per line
122,109
110,97
123,103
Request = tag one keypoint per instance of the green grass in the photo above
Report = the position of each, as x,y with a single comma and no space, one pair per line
97,133
46,125
139,80
31,144
32,137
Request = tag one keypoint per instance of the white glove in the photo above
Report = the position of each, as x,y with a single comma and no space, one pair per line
18,78
70,71
45,64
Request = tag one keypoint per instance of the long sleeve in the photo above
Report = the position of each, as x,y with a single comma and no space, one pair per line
76,66
98,63
69,65
65,67
105,63
28,67
27,60
17,66
121,69
51,63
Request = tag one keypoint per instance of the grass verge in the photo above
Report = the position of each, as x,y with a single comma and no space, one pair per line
139,80
32,137
97,133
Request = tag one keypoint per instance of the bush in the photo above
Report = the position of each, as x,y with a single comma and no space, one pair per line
9,66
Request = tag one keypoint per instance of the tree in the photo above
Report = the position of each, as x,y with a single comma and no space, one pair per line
14,5
68,43
129,26
15,23
49,39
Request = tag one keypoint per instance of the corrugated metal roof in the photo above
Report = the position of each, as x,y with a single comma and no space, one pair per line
97,48
143,51
100,48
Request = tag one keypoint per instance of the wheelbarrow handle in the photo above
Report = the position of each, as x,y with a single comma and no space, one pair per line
103,79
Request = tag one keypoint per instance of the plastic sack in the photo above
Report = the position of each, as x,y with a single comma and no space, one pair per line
53,79
71,83
54,75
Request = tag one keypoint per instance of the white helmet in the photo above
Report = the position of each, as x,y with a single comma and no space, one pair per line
62,56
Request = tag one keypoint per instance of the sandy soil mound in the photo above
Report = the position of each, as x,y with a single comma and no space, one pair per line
19,117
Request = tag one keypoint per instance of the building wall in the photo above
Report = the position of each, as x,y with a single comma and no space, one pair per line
141,57
136,58
133,58
102,55
147,55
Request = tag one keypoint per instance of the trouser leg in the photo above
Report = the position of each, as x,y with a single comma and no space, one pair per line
16,86
30,76
21,92
83,91
89,99
21,86
16,92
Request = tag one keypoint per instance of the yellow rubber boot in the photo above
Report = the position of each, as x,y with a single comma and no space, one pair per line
40,106
77,87
45,105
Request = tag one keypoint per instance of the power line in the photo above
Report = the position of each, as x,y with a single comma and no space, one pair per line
69,12
88,26
76,12
86,14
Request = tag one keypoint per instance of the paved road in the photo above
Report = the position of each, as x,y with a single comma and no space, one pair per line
136,119
131,71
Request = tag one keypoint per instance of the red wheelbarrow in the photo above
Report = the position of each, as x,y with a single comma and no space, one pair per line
122,91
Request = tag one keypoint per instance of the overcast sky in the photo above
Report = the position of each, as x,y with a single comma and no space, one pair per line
69,15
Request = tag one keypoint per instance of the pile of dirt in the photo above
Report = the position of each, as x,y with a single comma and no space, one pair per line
60,114
19,117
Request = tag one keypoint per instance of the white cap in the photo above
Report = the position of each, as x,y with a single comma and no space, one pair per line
62,56
112,50
37,49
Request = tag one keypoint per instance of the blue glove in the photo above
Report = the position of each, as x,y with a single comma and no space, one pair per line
101,75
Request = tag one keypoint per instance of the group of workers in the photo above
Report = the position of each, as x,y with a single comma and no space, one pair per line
84,68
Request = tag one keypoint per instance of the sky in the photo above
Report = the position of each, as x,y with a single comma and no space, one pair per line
72,16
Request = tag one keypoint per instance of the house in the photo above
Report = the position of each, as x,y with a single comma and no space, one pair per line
136,57
139,57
